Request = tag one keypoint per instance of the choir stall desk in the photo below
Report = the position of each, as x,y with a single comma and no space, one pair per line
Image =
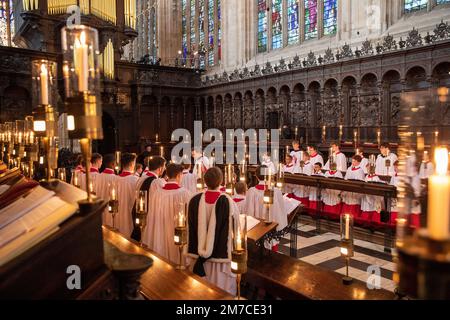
162,281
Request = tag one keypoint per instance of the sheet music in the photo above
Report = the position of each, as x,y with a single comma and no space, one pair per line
290,204
69,193
23,205
30,220
251,222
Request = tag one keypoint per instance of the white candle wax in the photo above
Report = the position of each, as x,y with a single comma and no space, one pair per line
347,227
44,84
82,57
439,198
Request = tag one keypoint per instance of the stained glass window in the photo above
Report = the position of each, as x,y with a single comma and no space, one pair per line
201,31
415,5
184,28
292,21
211,32
277,26
329,16
153,45
5,17
262,25
192,23
219,32
310,19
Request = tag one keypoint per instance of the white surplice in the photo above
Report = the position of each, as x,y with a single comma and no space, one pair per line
203,162
341,162
371,203
316,158
164,206
353,198
126,187
331,197
217,272
240,202
254,206
103,182
380,165
189,181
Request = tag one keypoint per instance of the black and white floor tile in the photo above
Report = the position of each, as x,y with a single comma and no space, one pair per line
323,250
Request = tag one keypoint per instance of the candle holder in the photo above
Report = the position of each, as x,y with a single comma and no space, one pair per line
31,147
113,203
62,174
239,254
141,213
280,177
180,233
76,179
81,71
346,248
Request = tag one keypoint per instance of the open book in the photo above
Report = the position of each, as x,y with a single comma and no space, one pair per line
30,219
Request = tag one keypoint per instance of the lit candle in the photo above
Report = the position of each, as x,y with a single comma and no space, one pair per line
44,84
296,132
270,178
82,67
75,180
347,226
141,204
436,137
41,160
287,150
156,137
238,241
181,219
439,198
378,137
324,132
162,151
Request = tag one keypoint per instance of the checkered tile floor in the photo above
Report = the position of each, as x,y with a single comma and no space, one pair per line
323,250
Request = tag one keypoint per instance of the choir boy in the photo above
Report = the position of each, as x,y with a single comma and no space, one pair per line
385,161
96,164
289,167
296,154
126,191
332,198
338,158
314,154
151,182
210,229
254,203
104,181
79,170
426,167
139,170
351,200
371,206
267,162
200,161
189,180
301,193
314,198
364,161
240,196
164,207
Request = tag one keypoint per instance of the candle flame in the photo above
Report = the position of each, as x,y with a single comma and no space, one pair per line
441,159
44,68
82,38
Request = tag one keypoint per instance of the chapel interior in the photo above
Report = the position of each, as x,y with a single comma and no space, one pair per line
334,116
